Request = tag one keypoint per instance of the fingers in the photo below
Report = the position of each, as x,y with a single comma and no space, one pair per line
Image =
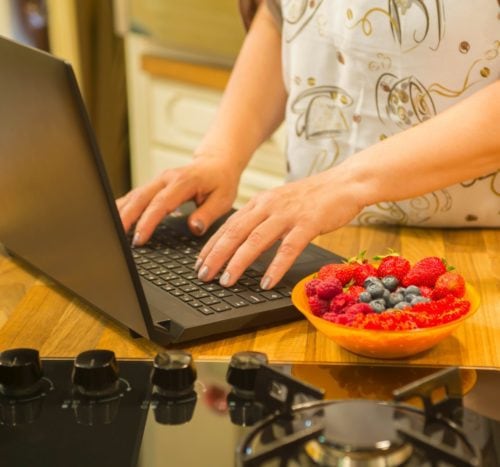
243,239
291,247
209,210
257,242
133,203
163,202
224,243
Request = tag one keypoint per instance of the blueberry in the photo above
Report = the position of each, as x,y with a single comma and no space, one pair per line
395,298
378,306
371,280
412,289
419,299
401,305
409,297
385,296
375,290
365,297
390,283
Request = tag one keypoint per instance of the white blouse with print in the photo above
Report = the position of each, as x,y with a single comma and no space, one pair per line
360,71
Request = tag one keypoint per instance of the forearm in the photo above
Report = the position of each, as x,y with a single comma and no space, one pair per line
459,144
253,103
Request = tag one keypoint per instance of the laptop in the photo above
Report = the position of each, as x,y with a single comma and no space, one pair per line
58,215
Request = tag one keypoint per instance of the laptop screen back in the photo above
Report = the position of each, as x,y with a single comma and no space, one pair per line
56,209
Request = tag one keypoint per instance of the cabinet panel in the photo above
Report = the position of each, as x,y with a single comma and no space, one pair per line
181,114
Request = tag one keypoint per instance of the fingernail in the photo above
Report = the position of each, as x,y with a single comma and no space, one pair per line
198,226
199,262
136,239
265,282
203,273
224,279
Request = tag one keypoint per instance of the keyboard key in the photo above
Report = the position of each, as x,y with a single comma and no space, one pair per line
210,300
252,297
221,307
285,291
271,294
211,287
176,292
169,277
236,301
199,294
179,282
206,310
246,281
185,298
222,293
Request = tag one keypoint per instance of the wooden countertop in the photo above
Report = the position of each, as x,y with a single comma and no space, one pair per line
36,313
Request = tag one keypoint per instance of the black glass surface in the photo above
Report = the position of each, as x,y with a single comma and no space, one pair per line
59,426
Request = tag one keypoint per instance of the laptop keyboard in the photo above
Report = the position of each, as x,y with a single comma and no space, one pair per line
167,261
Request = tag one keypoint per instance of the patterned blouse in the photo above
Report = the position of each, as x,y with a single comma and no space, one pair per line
360,71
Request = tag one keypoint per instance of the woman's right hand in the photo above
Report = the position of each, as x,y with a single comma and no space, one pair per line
209,181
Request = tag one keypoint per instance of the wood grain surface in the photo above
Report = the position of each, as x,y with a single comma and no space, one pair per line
36,313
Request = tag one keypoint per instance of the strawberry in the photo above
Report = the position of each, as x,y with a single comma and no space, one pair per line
425,272
341,271
393,265
363,271
355,290
449,283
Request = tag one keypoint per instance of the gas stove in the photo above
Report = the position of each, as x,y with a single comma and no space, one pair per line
96,410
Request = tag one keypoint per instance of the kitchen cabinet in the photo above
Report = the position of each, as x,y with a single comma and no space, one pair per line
171,104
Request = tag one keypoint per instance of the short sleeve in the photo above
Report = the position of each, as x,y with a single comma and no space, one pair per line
248,8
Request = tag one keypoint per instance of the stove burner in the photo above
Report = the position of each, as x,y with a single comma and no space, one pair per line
360,433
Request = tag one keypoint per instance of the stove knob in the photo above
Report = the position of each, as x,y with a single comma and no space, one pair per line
95,373
242,370
20,372
169,411
173,373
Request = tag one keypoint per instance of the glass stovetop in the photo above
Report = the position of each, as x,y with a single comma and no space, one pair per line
135,428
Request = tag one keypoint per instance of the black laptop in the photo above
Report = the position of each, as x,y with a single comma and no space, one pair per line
57,214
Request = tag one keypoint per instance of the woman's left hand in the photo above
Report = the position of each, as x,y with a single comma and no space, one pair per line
294,213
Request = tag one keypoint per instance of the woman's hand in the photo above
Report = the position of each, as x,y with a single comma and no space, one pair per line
208,181
294,213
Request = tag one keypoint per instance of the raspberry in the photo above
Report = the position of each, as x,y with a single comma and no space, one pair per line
363,308
311,287
425,272
340,302
318,306
326,290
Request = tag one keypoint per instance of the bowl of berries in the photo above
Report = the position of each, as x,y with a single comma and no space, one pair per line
388,308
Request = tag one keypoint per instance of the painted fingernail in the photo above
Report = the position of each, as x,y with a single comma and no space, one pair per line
224,279
136,239
198,226
198,263
203,273
265,282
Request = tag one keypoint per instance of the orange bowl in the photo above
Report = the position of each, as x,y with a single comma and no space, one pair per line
379,343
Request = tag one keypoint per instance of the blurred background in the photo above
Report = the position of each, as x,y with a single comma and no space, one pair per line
151,73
